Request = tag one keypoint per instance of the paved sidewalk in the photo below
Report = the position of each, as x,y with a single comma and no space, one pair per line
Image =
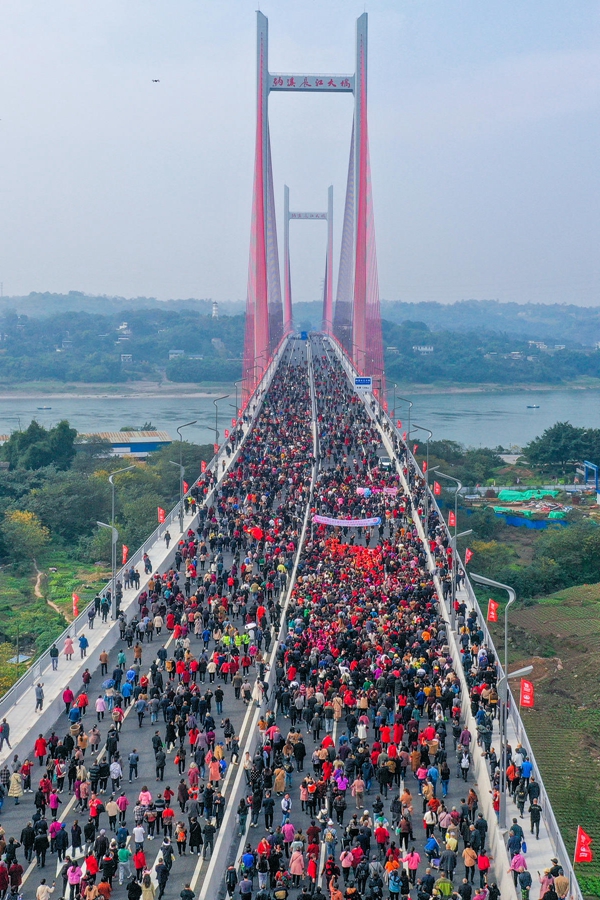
539,852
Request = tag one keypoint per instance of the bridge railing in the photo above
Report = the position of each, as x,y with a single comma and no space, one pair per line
33,673
552,827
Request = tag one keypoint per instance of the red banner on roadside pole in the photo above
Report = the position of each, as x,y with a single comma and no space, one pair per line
203,466
527,695
468,556
216,448
437,488
75,605
125,554
451,520
492,615
186,487
583,850
161,515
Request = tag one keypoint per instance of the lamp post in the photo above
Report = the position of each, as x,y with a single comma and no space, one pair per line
114,537
179,429
502,688
113,599
410,406
216,401
456,535
429,436
236,383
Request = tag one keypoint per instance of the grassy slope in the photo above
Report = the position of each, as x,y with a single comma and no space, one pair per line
32,619
560,635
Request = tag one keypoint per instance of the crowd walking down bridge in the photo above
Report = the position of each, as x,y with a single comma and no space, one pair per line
282,714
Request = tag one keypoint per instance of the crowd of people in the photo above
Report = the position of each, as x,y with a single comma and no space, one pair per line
360,700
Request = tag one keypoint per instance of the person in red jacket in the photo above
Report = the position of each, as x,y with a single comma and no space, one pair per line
68,697
41,748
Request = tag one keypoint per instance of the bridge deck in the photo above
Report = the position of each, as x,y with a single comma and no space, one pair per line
292,504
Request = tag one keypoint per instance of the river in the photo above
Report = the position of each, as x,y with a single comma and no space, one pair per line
473,419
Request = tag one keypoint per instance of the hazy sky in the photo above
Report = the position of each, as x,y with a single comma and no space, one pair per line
484,132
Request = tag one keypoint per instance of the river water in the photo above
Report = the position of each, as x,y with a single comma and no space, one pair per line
478,419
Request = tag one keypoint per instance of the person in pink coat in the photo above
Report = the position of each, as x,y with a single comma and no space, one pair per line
68,648
297,867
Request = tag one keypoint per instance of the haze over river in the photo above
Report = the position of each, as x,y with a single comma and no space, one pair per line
473,419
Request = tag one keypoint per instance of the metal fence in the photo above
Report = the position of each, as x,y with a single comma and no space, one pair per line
552,826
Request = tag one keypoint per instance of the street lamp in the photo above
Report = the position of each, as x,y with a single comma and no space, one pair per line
410,406
456,535
502,688
114,537
179,429
113,599
429,436
215,401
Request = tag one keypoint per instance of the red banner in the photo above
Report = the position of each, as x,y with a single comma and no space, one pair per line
186,487
583,850
75,605
527,696
404,436
161,515
233,423
216,448
398,424
468,556
437,488
125,554
492,615
227,432
203,466
240,411
451,519
415,448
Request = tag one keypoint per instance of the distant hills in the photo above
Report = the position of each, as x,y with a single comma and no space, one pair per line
556,322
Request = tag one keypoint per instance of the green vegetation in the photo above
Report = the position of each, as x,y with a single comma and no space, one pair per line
84,347
481,356
51,498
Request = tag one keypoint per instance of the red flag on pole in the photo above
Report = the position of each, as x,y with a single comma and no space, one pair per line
75,605
468,556
161,515
451,519
437,488
186,487
227,432
404,436
424,466
203,466
415,448
125,554
527,694
240,411
398,424
492,615
216,448
233,423
583,850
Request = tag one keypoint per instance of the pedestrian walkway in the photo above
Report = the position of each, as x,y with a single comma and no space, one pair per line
26,723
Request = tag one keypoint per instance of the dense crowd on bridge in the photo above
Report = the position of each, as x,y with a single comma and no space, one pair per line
360,702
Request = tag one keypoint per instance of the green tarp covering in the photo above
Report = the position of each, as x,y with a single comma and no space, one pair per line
516,496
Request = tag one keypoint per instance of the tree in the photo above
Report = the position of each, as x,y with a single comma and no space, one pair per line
37,447
24,535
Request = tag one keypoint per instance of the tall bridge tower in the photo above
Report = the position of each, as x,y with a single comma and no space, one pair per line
356,319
